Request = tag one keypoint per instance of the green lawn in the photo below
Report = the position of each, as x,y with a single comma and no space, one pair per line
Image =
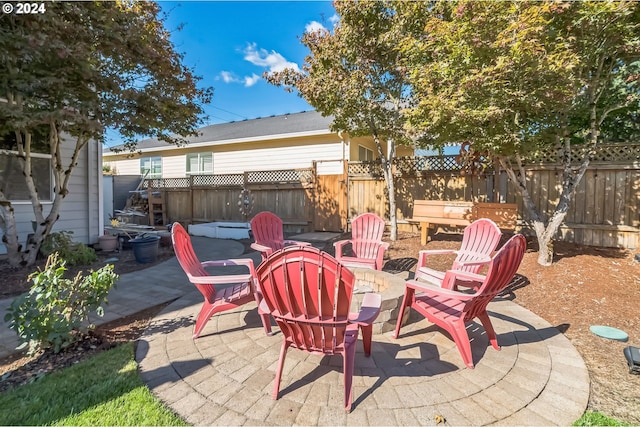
103,390
591,418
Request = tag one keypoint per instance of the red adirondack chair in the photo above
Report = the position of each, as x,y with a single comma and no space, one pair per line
309,294
366,243
234,290
451,310
268,234
479,240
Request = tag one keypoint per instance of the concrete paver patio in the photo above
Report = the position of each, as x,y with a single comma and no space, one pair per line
226,376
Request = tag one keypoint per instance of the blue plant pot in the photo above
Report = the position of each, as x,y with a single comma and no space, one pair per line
145,248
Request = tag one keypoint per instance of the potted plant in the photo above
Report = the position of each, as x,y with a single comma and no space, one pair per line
108,242
145,247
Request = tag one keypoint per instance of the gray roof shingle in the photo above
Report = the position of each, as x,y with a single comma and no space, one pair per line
306,121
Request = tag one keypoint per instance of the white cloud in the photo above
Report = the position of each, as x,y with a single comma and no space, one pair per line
228,77
251,80
273,61
314,26
334,19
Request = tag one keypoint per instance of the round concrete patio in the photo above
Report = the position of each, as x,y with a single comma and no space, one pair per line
225,377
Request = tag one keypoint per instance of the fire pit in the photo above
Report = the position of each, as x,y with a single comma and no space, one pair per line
390,286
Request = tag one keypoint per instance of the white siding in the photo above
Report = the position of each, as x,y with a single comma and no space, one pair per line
274,158
126,166
328,155
174,166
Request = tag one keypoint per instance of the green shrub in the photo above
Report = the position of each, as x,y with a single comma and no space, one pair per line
595,418
55,311
74,253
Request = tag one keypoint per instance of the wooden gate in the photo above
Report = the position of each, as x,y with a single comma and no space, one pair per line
331,203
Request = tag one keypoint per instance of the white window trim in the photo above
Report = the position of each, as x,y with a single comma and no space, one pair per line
151,175
368,149
189,173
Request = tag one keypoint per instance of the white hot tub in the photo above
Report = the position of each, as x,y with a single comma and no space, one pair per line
221,230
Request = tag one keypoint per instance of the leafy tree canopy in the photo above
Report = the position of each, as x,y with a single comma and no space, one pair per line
352,72
91,65
512,76
71,72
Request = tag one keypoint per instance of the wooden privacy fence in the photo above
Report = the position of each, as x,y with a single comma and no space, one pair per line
603,212
208,198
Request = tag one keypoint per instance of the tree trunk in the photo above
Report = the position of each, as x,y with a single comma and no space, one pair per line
546,229
387,171
10,232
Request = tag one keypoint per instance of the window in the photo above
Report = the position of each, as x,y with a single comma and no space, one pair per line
153,165
12,183
364,154
199,163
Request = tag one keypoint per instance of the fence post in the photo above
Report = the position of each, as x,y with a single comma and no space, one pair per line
191,178
345,176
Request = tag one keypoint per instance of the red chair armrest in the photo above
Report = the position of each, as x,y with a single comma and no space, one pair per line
464,275
261,248
339,245
247,262
230,278
368,311
452,278
434,290
423,254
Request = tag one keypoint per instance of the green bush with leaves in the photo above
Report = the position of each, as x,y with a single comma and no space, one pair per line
74,253
55,311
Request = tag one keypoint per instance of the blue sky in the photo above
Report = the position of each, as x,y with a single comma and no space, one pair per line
230,44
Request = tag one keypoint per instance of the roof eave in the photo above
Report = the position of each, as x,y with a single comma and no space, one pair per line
169,147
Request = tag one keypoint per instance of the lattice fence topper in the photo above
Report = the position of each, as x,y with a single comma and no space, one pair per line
222,180
603,153
246,203
303,176
372,168
165,183
412,165
469,162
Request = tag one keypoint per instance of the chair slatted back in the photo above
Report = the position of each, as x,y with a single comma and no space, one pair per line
309,295
366,234
479,239
188,260
267,230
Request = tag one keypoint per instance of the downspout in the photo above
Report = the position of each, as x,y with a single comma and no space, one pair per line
346,152
100,191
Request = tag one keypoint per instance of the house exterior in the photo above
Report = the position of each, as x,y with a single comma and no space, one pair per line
81,210
287,141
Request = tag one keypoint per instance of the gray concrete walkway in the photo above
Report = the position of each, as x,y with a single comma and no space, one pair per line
225,377
142,289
